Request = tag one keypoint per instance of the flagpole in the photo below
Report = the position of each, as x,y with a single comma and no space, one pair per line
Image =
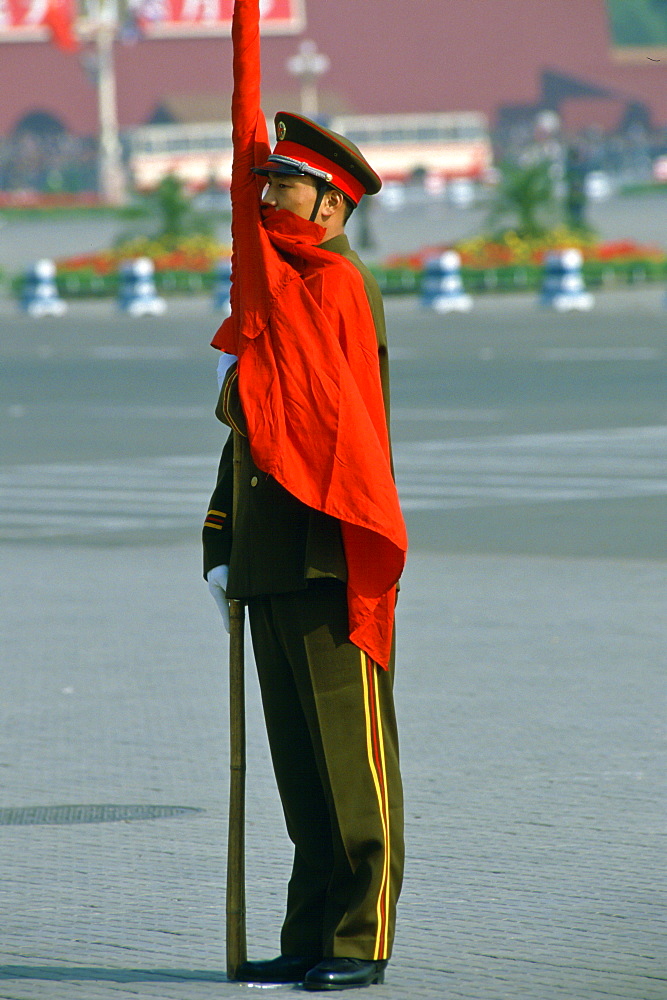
111,180
235,901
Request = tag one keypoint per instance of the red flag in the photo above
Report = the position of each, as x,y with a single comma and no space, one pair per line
309,376
59,18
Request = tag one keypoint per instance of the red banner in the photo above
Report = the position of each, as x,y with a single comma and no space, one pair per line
33,20
28,20
160,18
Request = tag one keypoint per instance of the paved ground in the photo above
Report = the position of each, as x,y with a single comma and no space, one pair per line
515,429
531,453
530,695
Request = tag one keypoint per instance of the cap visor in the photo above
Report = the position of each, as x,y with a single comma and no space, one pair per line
278,168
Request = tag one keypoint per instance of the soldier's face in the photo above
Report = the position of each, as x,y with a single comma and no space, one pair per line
296,194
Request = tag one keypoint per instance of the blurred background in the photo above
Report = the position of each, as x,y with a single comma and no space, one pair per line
102,98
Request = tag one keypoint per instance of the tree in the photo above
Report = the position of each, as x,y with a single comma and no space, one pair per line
178,217
525,196
173,205
638,22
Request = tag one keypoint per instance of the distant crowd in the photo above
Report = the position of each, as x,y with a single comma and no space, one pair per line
49,162
53,162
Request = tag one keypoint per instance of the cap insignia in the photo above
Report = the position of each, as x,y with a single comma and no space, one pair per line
281,130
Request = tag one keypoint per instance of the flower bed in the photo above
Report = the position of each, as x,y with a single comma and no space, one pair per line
511,263
187,266
27,200
182,266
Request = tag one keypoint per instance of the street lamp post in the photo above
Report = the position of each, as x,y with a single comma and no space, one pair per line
111,179
308,65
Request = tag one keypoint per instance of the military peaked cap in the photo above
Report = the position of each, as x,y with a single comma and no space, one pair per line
304,147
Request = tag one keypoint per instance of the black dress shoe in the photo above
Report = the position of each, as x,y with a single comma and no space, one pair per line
344,974
284,969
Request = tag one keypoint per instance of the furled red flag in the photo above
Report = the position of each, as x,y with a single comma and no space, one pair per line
309,375
59,18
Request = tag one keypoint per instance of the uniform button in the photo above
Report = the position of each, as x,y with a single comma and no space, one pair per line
254,481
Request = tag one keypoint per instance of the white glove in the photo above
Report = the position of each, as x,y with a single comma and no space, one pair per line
225,362
217,584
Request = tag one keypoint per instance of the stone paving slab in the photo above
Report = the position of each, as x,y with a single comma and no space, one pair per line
530,695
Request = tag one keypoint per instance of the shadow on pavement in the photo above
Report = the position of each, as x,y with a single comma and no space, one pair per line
58,973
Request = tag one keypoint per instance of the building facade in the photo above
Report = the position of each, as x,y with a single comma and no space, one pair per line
506,58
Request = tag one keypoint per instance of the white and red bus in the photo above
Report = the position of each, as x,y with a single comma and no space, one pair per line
446,146
200,155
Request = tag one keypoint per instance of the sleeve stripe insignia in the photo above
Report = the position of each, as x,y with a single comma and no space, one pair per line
215,519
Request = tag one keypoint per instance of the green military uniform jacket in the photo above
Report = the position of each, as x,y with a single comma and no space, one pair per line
280,543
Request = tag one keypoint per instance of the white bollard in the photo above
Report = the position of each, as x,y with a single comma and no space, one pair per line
137,294
442,287
40,294
563,286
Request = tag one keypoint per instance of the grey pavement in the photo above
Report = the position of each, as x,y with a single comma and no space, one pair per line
515,429
530,694
531,456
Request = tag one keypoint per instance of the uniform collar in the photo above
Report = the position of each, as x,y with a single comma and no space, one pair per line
337,244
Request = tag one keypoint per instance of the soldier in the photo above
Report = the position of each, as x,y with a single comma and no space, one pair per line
317,542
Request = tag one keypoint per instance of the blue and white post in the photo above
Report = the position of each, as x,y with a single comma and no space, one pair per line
223,285
40,296
442,287
563,286
137,294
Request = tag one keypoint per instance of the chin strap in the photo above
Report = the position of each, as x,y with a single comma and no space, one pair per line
322,189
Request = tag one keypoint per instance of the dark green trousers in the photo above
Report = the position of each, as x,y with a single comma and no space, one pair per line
332,732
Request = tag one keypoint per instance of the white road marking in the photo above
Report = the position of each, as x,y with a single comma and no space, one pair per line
137,352
599,354
103,498
532,468
100,499
439,415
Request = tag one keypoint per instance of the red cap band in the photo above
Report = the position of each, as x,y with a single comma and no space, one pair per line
340,178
